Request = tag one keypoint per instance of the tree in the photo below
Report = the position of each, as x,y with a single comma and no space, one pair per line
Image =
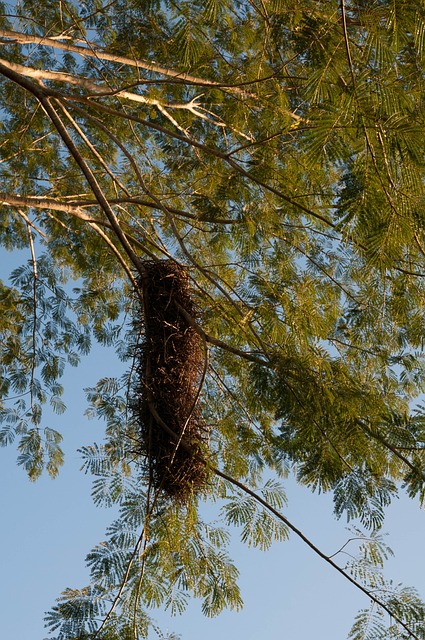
273,151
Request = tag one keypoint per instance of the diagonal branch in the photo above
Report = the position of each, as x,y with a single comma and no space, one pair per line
38,91
40,94
98,91
314,548
288,523
95,52
376,435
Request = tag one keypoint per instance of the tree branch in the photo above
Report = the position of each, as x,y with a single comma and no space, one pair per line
97,91
95,52
288,523
40,94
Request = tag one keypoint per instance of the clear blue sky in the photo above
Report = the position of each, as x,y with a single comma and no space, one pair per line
49,526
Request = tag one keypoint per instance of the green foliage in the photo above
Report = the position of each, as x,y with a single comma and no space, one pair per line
259,527
276,150
372,624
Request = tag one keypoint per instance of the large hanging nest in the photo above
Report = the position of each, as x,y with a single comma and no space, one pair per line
169,365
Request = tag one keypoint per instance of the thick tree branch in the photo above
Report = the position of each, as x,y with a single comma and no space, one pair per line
75,207
45,102
94,52
37,91
34,202
98,91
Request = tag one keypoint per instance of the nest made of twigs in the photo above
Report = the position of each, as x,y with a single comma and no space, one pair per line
169,364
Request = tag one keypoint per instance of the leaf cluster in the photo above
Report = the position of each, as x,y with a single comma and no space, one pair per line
276,151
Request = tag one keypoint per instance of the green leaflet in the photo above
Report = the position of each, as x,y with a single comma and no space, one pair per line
275,150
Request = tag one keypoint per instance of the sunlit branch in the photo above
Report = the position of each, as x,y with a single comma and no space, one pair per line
92,148
76,211
164,208
39,93
218,154
97,91
73,206
34,202
177,136
95,52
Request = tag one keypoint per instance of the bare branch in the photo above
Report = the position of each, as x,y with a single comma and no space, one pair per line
34,202
95,52
97,91
76,207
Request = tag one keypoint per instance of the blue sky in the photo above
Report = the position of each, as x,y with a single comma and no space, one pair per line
49,526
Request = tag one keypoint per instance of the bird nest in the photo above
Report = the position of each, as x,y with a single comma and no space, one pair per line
169,364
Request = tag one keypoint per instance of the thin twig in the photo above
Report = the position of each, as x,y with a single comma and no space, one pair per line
34,319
